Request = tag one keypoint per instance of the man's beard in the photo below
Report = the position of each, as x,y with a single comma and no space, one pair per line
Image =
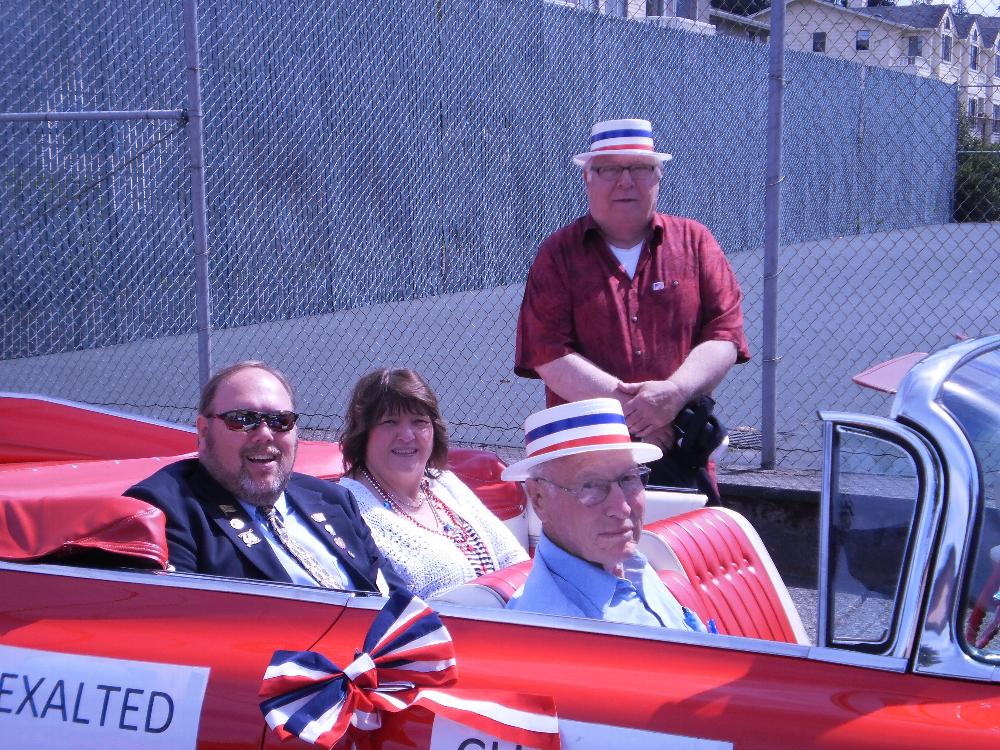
262,492
242,485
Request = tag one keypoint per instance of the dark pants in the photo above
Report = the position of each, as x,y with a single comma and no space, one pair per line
669,472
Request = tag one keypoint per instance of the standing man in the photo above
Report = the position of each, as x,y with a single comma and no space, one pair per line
239,510
632,304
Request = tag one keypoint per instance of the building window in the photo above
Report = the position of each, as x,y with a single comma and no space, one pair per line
996,118
819,41
974,57
654,7
946,48
947,23
863,40
996,64
687,9
914,47
972,107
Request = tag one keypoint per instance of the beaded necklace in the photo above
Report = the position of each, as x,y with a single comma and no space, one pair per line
454,528
389,499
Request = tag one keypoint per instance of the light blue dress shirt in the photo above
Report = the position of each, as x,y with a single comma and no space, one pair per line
563,584
303,533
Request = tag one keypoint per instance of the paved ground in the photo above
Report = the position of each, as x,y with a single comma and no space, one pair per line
845,303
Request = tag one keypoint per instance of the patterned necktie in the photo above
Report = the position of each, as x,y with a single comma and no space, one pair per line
304,557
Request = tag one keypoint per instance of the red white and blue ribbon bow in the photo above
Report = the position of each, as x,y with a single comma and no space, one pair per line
408,658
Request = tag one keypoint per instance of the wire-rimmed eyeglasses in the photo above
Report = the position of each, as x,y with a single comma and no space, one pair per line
595,491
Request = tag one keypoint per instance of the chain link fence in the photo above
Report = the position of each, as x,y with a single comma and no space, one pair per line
378,178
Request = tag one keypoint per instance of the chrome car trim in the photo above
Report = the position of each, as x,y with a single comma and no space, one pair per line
858,659
940,647
195,581
929,508
823,565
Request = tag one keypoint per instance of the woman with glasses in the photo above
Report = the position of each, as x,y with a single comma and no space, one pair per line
425,520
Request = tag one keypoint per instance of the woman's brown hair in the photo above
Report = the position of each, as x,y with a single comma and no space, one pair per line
391,390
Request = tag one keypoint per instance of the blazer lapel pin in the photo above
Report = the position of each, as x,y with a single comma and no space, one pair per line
338,541
249,537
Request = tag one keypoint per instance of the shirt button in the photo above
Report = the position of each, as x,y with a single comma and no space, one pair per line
635,318
638,352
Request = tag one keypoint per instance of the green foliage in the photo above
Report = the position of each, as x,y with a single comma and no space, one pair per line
977,180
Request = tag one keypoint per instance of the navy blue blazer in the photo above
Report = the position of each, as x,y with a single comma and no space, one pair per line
209,532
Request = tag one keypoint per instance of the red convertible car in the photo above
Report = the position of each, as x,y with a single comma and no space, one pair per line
101,646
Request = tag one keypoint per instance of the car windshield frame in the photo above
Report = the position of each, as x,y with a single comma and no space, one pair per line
971,394
922,402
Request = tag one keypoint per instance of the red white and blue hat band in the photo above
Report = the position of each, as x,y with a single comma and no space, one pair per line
579,427
619,138
625,137
587,429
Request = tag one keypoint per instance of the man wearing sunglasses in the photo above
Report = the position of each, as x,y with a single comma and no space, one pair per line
585,479
239,510
632,304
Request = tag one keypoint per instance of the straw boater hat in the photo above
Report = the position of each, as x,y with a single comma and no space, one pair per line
633,137
596,424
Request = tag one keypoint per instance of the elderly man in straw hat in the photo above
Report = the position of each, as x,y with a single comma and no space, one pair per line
632,304
583,475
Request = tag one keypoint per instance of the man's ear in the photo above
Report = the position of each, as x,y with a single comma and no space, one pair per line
536,497
202,424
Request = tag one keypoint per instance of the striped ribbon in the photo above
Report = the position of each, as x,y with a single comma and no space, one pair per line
408,660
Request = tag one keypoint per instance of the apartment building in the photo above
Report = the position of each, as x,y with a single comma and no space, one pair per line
697,16
923,39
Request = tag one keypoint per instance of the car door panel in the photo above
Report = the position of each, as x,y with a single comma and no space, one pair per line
233,633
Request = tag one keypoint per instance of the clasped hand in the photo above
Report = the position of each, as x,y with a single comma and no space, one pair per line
651,410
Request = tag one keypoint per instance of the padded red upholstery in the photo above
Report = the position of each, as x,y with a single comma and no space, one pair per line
733,583
682,590
505,581
53,528
38,429
480,470
320,459
106,478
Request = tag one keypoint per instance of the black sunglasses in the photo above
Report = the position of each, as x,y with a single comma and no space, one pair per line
245,420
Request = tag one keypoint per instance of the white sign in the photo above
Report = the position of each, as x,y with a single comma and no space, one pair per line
573,735
50,700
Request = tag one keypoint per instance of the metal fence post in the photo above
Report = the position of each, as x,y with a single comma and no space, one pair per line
196,151
772,234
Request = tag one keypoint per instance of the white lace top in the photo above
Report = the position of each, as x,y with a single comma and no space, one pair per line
430,563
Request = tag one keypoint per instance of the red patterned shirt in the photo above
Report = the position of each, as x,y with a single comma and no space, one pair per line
578,298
